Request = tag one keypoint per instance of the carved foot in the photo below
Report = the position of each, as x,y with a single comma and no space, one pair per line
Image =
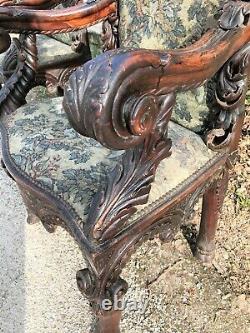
203,254
105,298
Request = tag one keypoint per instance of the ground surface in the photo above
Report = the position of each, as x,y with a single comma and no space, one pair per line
38,292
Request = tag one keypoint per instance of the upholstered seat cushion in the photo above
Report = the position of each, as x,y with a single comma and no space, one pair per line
44,146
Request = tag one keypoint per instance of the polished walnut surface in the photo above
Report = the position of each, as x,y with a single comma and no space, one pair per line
123,99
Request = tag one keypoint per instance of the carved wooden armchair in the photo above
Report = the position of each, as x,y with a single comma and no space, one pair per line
156,124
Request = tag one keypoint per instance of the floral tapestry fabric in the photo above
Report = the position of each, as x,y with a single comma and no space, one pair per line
164,24
94,39
49,48
44,146
65,37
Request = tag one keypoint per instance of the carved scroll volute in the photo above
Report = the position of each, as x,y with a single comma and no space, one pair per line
111,99
230,96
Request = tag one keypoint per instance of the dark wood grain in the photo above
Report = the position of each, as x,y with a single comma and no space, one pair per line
123,99
17,19
17,86
29,3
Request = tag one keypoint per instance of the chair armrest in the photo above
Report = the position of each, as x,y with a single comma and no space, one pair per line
15,19
30,3
115,97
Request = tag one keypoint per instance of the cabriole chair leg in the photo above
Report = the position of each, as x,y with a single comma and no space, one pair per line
212,202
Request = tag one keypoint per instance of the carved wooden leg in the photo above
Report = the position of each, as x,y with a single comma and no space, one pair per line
212,203
105,298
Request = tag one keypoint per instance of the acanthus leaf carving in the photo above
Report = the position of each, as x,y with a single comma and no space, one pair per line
128,185
136,123
230,95
235,14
